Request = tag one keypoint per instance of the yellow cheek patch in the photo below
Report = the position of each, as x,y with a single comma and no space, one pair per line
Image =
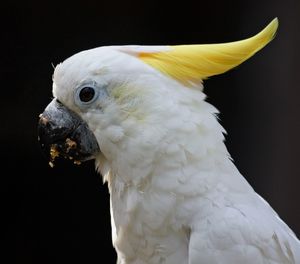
124,93
190,64
130,98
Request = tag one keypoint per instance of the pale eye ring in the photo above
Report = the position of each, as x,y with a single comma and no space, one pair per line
86,94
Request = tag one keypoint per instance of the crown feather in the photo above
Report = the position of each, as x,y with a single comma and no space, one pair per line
190,64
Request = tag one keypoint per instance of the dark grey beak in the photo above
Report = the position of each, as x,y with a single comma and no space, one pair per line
63,133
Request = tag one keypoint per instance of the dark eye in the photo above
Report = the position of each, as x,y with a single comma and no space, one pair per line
86,94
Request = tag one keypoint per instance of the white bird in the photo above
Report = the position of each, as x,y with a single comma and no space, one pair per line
176,197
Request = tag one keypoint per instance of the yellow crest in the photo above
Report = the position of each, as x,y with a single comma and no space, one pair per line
190,64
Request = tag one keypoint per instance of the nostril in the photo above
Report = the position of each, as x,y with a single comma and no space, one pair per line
43,119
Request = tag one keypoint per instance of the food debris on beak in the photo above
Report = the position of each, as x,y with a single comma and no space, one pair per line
54,153
62,133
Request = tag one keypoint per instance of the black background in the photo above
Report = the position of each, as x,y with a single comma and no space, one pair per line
61,215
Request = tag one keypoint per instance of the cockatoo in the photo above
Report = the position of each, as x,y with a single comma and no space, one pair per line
175,195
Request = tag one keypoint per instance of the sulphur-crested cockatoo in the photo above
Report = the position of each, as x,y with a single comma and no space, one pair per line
175,195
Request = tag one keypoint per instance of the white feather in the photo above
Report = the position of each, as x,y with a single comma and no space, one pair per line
176,197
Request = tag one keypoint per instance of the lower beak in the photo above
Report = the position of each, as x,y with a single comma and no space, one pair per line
63,133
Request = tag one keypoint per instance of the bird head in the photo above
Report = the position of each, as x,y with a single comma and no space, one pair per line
121,104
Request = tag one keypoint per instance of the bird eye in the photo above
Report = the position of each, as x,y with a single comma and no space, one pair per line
86,94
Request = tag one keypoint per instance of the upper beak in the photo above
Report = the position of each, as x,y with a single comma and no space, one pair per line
63,133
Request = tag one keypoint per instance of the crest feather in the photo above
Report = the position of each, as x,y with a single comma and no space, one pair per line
190,64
